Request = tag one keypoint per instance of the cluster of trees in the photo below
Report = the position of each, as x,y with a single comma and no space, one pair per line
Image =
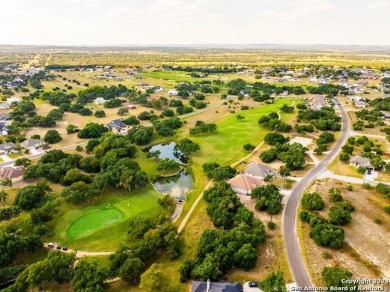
268,198
187,146
272,122
166,127
322,142
87,177
108,93
261,91
14,241
203,128
292,155
370,151
59,267
330,90
327,232
324,119
217,172
92,130
146,237
336,277
382,103
234,245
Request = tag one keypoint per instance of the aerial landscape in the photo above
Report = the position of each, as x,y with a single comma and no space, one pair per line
204,161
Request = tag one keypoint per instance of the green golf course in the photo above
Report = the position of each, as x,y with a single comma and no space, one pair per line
103,226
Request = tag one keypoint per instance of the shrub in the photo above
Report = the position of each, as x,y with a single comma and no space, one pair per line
313,201
271,225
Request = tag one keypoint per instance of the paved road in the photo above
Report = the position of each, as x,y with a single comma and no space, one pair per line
295,259
32,157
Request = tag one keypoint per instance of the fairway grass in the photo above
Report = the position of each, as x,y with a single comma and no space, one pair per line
103,226
88,223
226,145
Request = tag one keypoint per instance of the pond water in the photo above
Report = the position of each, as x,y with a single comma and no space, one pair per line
170,151
176,186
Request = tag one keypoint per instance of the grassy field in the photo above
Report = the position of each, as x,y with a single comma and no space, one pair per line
174,75
103,226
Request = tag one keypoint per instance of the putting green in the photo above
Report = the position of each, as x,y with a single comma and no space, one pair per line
93,221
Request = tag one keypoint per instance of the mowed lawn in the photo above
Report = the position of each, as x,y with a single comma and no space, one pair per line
103,226
174,75
226,145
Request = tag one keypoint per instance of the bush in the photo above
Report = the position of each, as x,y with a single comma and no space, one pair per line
271,225
52,136
313,201
328,235
249,147
350,188
387,209
335,277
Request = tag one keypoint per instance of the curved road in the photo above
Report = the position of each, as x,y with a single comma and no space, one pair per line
295,259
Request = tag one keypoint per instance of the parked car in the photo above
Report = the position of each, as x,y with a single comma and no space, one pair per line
65,248
50,245
58,246
253,284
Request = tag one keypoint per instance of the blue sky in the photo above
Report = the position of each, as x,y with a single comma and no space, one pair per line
138,22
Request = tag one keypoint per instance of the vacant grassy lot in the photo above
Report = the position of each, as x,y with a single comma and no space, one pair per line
103,226
366,251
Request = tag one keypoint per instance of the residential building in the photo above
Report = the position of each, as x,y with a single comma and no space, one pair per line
99,100
359,161
13,174
32,143
244,184
216,286
173,92
117,126
6,148
258,170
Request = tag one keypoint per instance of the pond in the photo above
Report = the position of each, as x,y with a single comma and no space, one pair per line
176,186
170,151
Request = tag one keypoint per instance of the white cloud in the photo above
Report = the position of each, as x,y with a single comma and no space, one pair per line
174,9
380,4
87,3
300,8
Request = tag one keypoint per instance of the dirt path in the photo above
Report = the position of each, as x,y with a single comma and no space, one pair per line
80,254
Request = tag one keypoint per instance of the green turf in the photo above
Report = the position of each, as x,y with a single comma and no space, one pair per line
103,226
173,75
88,223
225,146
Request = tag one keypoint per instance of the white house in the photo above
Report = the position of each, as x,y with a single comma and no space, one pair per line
173,92
99,100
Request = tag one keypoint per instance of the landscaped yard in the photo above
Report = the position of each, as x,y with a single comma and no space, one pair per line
103,226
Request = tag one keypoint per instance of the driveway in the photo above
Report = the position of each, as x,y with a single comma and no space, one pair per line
34,151
6,158
250,289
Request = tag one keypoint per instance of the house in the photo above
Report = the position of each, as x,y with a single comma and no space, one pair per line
361,104
5,106
6,148
245,92
359,161
31,143
317,102
99,100
12,100
4,117
13,174
244,184
386,115
173,92
117,126
258,170
131,106
215,286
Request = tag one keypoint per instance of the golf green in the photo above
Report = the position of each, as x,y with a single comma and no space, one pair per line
95,220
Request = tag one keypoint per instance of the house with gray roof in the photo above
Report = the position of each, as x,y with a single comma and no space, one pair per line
259,170
216,286
6,148
117,126
32,143
359,161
